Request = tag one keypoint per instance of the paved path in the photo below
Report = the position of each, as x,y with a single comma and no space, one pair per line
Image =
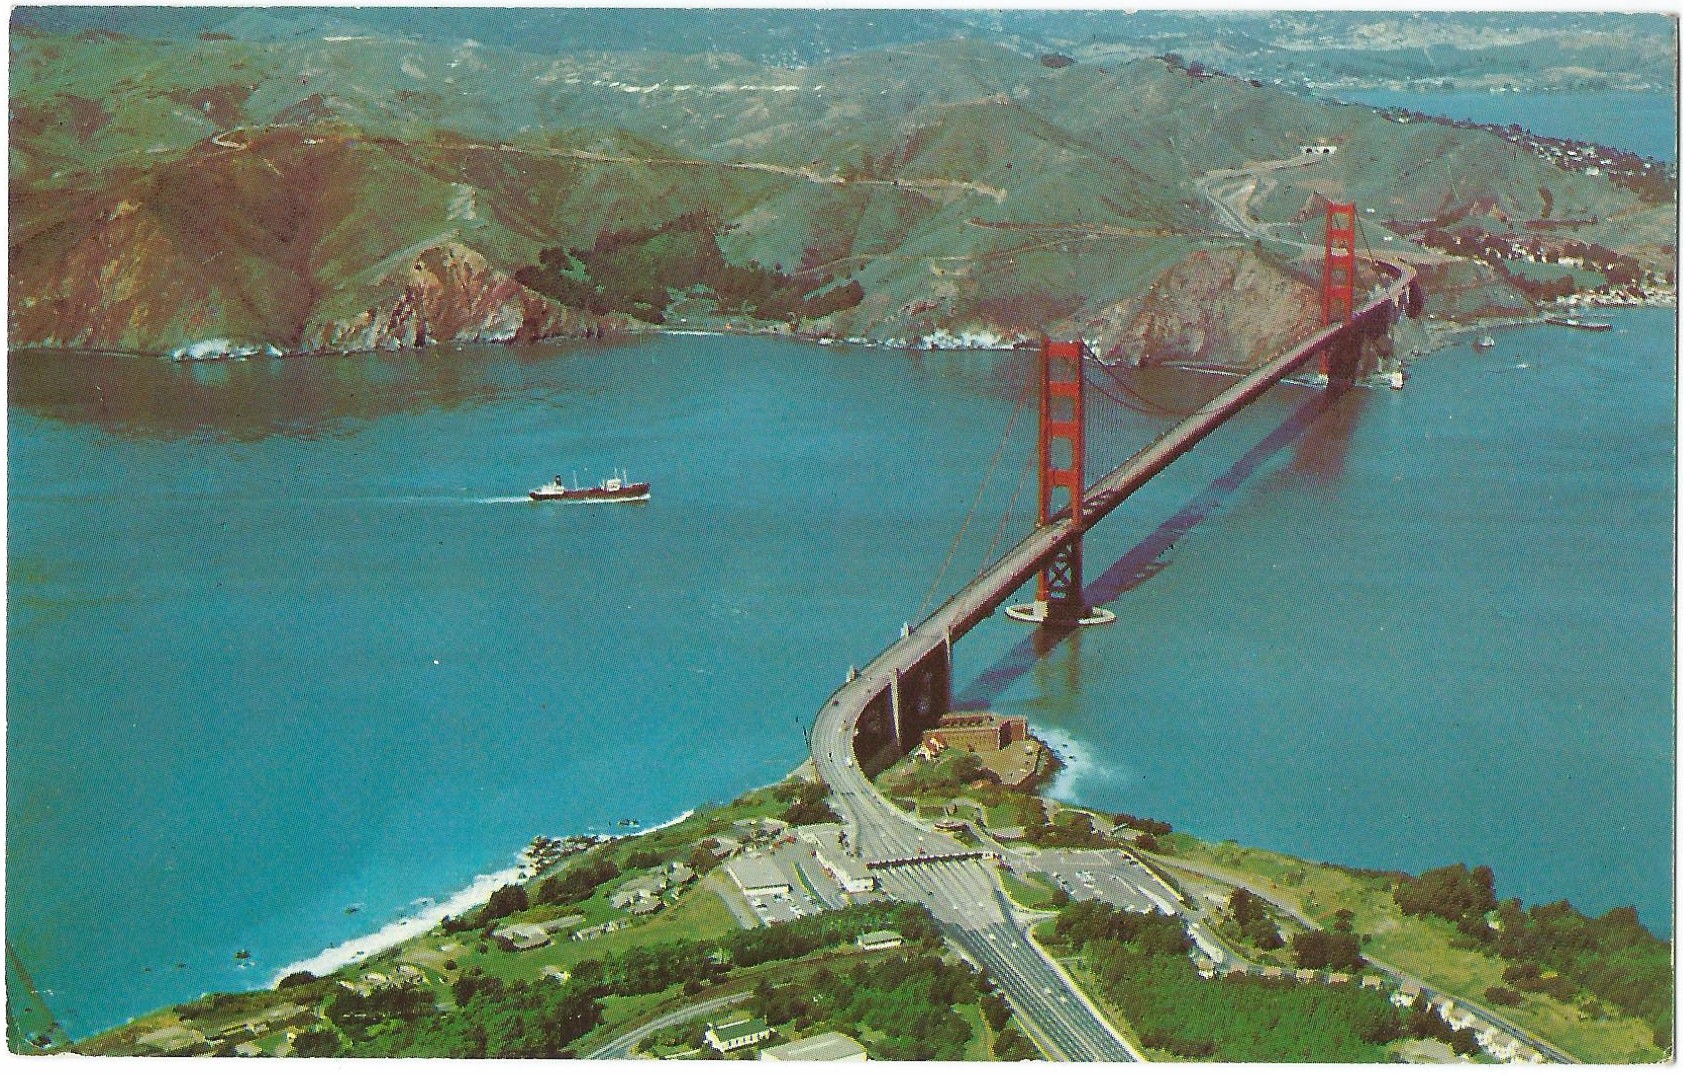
621,1047
1291,908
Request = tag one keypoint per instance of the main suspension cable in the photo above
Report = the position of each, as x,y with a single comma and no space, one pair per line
998,454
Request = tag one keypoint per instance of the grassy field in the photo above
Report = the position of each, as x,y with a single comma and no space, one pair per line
1421,947
1036,891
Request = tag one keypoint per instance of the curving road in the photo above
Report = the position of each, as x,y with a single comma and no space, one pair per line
622,1047
965,896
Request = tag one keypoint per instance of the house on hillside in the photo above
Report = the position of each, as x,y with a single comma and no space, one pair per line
737,1034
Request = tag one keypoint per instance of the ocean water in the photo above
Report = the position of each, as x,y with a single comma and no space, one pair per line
287,638
1399,630
1641,122
284,637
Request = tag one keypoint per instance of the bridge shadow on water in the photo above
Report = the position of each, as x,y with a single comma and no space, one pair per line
1320,454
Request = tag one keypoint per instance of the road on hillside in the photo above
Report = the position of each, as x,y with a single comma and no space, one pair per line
622,1047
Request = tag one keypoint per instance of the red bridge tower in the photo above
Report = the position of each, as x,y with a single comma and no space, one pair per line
1338,288
1063,484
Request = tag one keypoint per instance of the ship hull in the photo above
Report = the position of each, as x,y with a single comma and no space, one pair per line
639,491
1581,326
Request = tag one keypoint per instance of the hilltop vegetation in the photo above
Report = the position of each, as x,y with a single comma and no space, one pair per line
345,191
1441,48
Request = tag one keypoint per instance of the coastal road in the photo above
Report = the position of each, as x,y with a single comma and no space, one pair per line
1552,1052
964,896
622,1047
877,830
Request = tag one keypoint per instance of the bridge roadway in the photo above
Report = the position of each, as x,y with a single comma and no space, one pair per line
965,896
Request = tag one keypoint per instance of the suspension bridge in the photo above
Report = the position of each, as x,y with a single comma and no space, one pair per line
882,711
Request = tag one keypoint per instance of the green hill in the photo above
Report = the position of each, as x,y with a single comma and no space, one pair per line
348,189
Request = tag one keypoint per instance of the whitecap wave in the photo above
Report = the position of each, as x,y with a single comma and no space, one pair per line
395,933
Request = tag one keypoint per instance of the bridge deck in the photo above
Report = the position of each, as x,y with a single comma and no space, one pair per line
882,832
978,600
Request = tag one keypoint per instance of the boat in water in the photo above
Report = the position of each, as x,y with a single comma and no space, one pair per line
616,488
1579,323
1484,343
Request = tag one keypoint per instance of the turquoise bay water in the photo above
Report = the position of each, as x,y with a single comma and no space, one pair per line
284,638
1640,122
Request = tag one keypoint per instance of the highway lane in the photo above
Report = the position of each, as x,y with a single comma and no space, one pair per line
964,896
876,829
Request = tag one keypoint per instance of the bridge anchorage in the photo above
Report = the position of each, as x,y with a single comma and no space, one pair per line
1063,486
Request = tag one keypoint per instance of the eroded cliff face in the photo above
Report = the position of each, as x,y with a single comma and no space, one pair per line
1227,308
127,285
451,294
122,283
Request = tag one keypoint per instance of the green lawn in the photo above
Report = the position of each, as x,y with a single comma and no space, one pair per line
699,913
1035,891
1419,946
981,1038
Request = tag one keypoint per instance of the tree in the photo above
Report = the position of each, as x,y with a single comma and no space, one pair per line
1011,1045
703,859
317,1041
995,1011
1501,994
1455,893
642,859
503,902
1317,949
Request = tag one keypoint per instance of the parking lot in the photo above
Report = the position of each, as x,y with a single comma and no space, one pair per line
1114,877
810,889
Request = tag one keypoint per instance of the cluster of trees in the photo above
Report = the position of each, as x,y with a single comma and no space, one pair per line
806,802
635,270
1075,831
1614,956
1147,825
579,883
1087,921
905,1001
1553,948
1242,1018
492,1018
1253,920
504,901
651,968
497,1018
1327,950
1455,893
1140,963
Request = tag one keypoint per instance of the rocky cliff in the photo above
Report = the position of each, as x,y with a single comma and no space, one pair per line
1218,307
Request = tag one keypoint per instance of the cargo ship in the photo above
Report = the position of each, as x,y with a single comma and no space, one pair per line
616,488
1573,322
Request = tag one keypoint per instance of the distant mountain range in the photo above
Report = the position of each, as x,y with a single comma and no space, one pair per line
1528,50
201,181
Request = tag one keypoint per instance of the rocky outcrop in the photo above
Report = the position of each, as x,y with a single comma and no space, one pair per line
451,294
1228,308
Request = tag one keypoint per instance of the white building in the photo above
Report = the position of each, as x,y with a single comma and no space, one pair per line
830,1046
848,871
877,940
737,1034
759,877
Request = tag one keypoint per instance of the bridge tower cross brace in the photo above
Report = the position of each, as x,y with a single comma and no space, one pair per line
1063,429
1063,470
1338,283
